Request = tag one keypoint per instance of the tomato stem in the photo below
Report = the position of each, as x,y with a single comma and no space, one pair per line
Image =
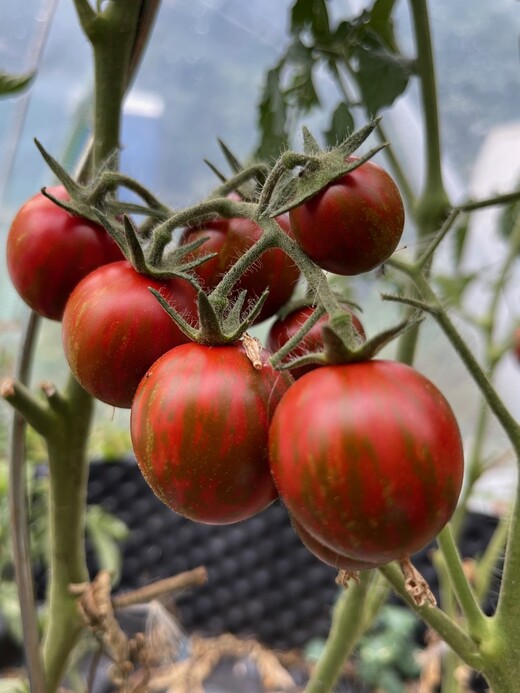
475,618
346,628
446,627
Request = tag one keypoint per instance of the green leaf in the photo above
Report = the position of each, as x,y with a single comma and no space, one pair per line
341,125
272,119
299,63
381,23
382,76
12,84
312,15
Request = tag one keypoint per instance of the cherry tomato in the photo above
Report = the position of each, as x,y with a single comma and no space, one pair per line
49,251
114,329
368,458
199,425
354,224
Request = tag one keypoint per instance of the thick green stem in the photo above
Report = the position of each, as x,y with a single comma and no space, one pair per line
68,474
347,623
507,616
434,197
112,34
475,619
433,203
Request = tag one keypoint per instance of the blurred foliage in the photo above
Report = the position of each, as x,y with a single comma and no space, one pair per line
362,57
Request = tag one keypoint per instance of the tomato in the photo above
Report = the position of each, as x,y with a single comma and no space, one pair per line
327,555
367,458
285,328
354,224
199,425
230,239
49,251
114,329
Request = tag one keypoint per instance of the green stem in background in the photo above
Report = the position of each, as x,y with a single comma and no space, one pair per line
112,32
489,559
347,622
433,204
476,620
434,200
432,305
68,476
475,465
450,660
20,521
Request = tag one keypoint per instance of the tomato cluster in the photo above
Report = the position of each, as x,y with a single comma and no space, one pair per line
366,456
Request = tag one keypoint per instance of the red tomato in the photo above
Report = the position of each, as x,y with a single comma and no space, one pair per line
329,556
114,329
283,329
354,224
199,426
368,458
49,251
230,239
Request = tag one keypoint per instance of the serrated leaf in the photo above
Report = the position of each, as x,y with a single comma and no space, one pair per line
341,125
381,75
12,84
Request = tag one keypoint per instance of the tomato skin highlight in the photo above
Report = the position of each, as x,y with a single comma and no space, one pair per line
49,251
114,329
199,425
354,224
283,329
368,458
230,238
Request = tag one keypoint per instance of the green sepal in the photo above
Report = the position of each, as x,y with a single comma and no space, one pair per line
322,168
336,352
220,324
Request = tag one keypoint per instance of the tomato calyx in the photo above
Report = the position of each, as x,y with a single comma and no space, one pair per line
219,322
320,168
342,343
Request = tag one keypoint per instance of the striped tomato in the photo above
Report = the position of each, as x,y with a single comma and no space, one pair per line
367,458
49,251
327,555
199,426
114,329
